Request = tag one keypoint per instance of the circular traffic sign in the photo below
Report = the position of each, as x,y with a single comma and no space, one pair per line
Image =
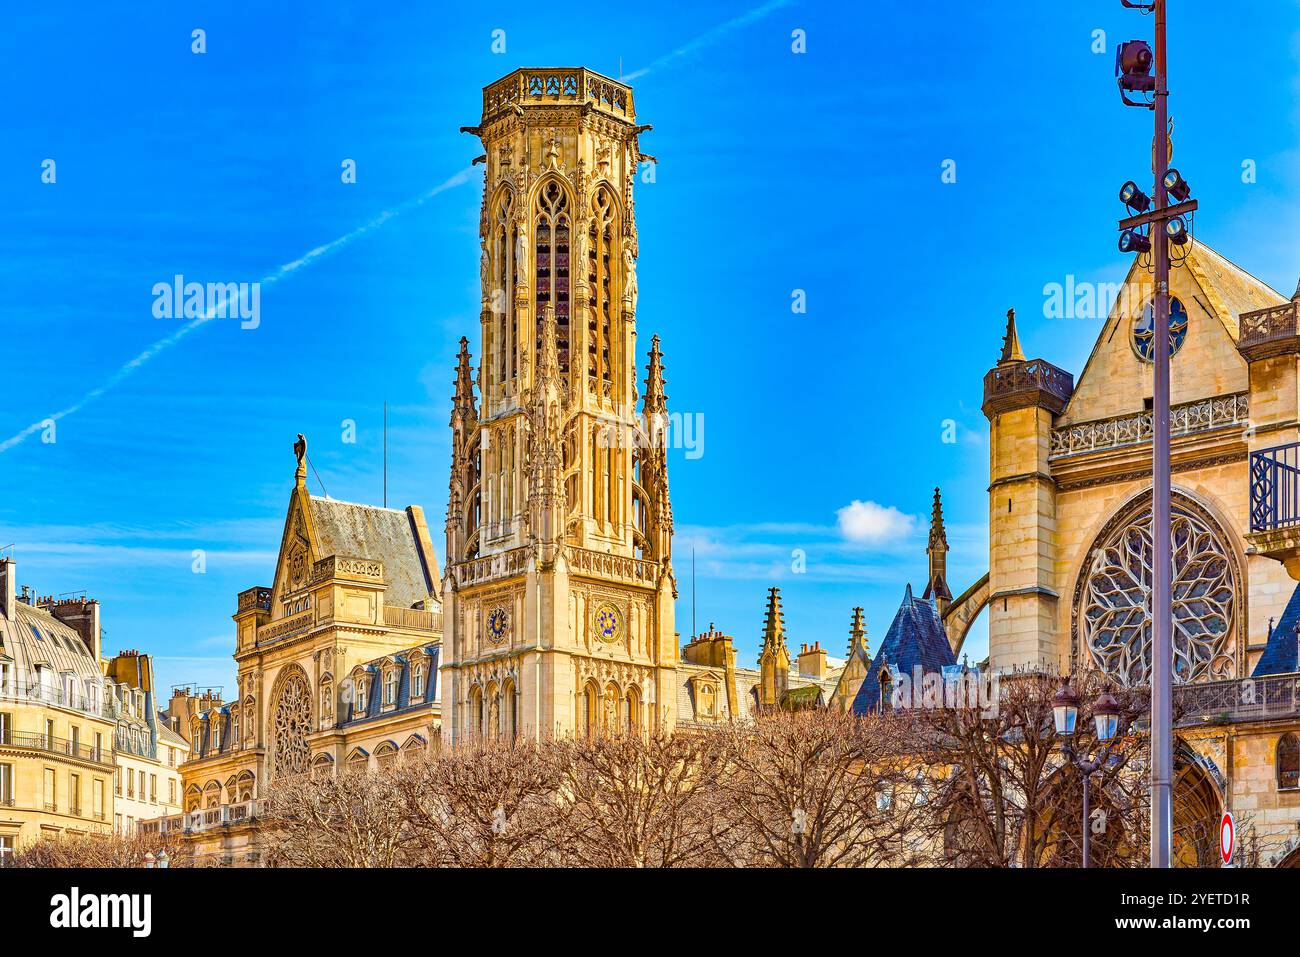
1227,837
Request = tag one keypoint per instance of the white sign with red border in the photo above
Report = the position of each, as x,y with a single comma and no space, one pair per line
1227,837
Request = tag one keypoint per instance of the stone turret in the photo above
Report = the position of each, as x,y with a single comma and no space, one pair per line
774,660
936,551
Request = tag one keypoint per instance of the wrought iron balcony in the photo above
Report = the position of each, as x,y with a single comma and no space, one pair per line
1275,488
51,745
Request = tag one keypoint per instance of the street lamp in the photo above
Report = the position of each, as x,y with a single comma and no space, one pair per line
1168,226
1106,717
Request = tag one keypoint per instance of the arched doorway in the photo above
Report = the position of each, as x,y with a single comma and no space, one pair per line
1198,809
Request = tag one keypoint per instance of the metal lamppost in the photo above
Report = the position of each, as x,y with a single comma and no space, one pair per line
1149,233
1065,715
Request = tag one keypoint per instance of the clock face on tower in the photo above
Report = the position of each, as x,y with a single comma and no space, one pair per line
608,622
498,624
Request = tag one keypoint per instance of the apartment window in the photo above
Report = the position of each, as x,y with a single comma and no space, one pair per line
171,791
130,783
74,793
49,734
4,727
6,676
69,691
117,823
390,687
76,741
6,784
141,785
171,757
153,788
117,782
97,799
6,850
51,798
99,746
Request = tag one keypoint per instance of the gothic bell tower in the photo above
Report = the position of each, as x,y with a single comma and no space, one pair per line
558,595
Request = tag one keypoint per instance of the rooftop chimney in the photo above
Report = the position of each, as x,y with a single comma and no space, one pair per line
81,615
8,571
812,661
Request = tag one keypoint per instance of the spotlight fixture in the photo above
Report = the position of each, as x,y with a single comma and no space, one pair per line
1133,62
1176,186
1134,198
1134,241
1176,230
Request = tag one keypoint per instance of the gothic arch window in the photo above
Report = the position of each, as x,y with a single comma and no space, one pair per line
476,712
291,722
1111,623
358,761
212,795
193,798
886,682
500,296
1288,761
551,224
509,712
590,705
602,265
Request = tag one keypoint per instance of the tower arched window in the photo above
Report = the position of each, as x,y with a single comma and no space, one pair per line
551,225
602,236
1288,761
500,295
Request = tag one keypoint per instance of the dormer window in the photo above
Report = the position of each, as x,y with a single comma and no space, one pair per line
390,686
359,698
216,735
417,680
234,727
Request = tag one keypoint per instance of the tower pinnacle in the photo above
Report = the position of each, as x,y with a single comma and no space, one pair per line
1011,351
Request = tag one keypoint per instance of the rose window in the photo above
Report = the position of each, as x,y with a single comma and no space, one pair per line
292,724
1114,616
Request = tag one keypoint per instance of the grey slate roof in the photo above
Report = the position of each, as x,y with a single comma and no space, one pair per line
381,534
1279,657
916,637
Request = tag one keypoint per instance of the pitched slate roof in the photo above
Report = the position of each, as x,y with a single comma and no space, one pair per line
916,637
1279,657
388,535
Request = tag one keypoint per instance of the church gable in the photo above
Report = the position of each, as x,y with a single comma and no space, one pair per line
298,550
1117,381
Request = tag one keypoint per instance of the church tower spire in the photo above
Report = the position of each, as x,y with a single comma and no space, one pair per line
936,551
558,583
1011,351
774,660
858,636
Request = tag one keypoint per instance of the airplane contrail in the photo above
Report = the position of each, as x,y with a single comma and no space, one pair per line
219,308
710,37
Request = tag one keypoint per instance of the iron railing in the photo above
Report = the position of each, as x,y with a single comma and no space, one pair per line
1240,699
1275,488
52,745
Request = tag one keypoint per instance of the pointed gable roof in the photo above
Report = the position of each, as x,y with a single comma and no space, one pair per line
387,535
1280,654
916,637
1215,291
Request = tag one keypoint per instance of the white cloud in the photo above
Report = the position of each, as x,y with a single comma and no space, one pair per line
873,524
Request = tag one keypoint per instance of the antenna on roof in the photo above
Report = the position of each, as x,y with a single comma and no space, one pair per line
317,474
693,631
385,453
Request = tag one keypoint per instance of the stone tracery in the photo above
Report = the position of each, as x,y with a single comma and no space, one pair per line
1112,617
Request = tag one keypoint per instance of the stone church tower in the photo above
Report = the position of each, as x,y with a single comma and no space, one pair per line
559,587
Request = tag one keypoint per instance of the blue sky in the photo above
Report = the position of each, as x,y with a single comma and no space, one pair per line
819,171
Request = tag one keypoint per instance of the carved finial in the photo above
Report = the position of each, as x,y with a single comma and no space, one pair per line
300,450
656,400
773,621
858,635
938,534
1011,351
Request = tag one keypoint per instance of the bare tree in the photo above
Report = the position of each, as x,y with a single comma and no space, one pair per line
819,788
633,801
484,805
1004,795
348,819
102,850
